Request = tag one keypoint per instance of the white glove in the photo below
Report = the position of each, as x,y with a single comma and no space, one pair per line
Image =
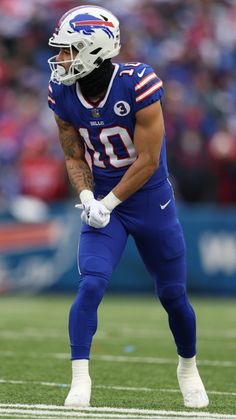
94,213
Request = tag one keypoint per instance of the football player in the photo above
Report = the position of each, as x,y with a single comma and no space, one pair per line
112,114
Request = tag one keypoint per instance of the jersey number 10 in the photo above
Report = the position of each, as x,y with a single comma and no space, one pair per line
109,138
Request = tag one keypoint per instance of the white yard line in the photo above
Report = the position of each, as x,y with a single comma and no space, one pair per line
121,332
117,388
85,415
56,414
156,360
22,415
35,334
124,358
54,410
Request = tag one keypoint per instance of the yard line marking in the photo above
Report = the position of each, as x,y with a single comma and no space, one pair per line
36,415
154,360
83,415
108,416
76,414
34,333
223,334
105,411
18,415
39,413
149,360
118,388
124,358
42,383
2,381
29,334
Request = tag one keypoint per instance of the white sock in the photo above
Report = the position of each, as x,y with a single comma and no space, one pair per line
187,364
80,371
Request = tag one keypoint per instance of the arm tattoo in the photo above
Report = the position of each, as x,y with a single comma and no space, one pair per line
79,174
69,145
78,169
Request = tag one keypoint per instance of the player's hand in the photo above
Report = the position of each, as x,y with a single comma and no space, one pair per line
94,213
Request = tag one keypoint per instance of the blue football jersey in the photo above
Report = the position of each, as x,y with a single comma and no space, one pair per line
107,127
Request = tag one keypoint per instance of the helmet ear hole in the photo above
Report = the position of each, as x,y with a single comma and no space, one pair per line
80,45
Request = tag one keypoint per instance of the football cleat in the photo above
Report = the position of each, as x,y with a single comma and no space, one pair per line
192,388
79,395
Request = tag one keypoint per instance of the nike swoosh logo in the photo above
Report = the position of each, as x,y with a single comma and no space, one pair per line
142,72
165,205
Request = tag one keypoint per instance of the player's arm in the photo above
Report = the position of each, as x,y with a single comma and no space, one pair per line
78,169
148,135
94,212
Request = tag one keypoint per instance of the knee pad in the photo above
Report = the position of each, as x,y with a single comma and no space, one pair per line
95,266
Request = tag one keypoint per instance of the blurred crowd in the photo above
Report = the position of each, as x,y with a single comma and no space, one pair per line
191,44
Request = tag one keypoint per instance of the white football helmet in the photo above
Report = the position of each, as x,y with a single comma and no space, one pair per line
92,35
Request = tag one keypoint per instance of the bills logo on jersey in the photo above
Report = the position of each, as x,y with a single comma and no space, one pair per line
87,24
122,108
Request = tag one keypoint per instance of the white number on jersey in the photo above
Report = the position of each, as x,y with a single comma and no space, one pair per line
105,137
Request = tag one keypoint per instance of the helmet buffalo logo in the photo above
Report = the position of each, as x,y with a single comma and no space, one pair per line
87,24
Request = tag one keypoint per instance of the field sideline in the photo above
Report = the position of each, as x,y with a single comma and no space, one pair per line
133,365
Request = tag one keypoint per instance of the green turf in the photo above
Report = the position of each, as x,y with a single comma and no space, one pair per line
33,330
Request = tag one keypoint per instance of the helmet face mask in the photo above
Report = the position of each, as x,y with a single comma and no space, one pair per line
74,65
91,34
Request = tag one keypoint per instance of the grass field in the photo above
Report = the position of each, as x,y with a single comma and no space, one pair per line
133,365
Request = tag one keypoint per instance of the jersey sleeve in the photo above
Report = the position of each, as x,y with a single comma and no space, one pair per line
57,100
148,87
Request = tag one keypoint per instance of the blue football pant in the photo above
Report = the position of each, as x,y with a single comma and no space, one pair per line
159,239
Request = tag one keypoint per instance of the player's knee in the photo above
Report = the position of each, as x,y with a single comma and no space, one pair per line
95,266
172,297
170,292
177,306
92,289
